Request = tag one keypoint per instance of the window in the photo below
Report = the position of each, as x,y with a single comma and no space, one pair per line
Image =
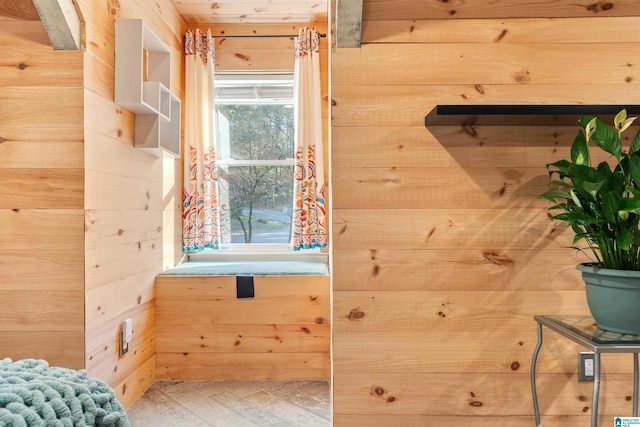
254,120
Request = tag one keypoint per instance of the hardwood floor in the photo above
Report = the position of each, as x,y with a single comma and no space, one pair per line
233,404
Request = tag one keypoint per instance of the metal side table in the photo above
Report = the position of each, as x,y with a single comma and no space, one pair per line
583,331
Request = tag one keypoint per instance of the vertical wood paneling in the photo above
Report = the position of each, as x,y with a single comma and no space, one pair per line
440,256
41,230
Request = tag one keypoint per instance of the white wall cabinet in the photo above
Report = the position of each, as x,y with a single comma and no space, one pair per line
143,77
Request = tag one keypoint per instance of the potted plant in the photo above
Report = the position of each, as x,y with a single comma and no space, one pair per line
601,203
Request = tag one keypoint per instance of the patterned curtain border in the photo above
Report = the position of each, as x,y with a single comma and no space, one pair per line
196,42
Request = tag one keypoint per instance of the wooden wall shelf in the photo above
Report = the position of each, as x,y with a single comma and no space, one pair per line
143,78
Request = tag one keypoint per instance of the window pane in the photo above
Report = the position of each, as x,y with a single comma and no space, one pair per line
260,201
254,131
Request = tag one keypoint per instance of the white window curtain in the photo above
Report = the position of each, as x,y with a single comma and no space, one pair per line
308,225
201,208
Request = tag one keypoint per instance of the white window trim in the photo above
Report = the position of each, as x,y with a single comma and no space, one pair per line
233,162
278,89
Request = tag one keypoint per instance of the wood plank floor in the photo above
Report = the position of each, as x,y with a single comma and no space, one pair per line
233,404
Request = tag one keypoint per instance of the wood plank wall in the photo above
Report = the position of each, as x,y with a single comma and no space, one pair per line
132,203
303,358
441,260
41,196
204,332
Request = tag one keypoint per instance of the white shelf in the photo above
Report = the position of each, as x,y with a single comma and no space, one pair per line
143,76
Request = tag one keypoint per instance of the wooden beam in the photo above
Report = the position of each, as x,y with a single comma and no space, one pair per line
62,23
348,23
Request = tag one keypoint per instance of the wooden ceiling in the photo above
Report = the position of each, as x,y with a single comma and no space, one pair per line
209,11
239,11
252,11
18,10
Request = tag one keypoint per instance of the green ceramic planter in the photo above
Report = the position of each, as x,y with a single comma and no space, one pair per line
613,297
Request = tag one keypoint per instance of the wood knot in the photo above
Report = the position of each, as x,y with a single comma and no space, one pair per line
595,7
431,232
498,259
114,7
313,297
475,403
585,409
22,65
470,130
522,77
120,232
391,399
375,270
582,398
515,366
501,36
379,391
305,330
355,314
241,56
319,320
1,140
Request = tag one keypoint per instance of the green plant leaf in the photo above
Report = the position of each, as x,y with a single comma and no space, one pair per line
575,198
634,168
624,240
610,206
635,143
593,188
600,203
555,194
607,138
559,184
585,121
630,205
580,150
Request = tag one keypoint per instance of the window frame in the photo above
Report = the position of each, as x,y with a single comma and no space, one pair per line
272,81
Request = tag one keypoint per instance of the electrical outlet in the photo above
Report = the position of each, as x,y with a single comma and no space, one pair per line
126,330
124,345
586,366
